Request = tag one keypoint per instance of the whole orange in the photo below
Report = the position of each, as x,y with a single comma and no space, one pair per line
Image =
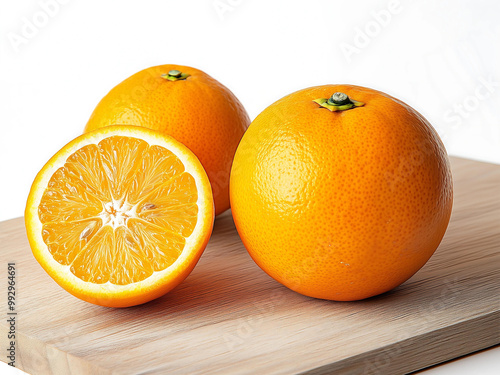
341,196
187,104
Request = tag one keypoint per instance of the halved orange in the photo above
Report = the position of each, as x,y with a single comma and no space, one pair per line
120,216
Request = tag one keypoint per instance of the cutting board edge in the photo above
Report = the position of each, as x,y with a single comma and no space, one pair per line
34,356
460,342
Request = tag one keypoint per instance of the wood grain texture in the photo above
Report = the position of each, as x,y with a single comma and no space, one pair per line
230,317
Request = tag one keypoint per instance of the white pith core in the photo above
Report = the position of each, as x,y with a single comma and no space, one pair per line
117,212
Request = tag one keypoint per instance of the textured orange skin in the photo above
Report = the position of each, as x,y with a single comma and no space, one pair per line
199,112
341,205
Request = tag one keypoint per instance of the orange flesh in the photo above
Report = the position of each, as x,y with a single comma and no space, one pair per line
118,211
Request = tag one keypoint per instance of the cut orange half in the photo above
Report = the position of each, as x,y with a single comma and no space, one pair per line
120,216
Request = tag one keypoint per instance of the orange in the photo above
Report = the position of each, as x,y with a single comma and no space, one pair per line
343,196
190,106
120,216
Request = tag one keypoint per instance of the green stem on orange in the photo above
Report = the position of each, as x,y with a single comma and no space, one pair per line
175,75
338,102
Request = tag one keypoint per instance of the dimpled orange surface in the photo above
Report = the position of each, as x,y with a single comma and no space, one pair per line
193,108
341,205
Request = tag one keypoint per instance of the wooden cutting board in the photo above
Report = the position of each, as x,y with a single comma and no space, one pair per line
229,317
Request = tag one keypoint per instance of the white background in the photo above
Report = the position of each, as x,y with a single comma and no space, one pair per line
57,62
